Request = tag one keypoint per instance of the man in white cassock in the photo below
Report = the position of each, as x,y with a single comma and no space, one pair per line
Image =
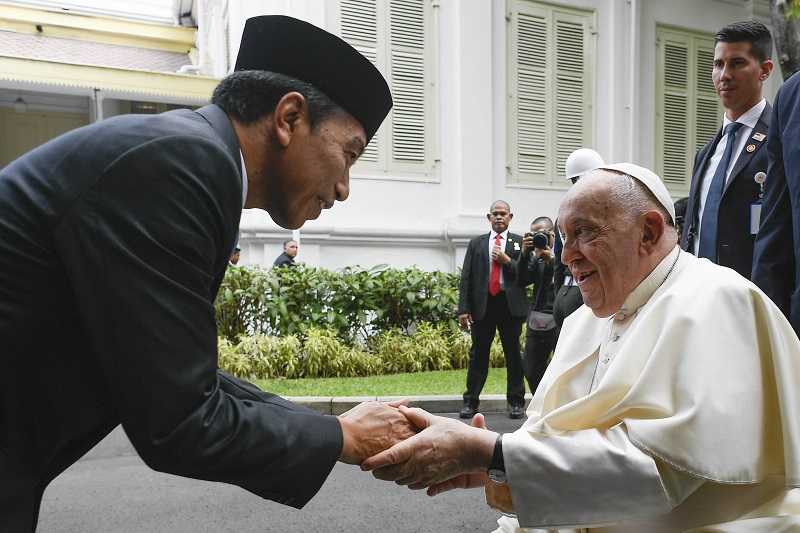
672,402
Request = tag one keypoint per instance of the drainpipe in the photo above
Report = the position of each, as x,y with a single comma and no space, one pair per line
633,91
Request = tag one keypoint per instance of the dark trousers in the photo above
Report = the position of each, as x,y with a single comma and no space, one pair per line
538,347
497,317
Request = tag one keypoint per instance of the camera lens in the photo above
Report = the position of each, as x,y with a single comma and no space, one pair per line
540,241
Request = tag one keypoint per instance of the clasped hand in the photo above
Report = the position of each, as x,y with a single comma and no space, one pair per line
415,448
445,454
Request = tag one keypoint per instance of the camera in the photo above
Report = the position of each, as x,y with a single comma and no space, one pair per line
540,239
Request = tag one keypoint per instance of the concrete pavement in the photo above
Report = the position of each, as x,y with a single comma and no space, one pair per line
112,490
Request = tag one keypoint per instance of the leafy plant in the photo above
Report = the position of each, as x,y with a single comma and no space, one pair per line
354,303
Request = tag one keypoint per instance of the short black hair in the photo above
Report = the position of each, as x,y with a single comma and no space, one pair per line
543,219
680,210
751,31
248,95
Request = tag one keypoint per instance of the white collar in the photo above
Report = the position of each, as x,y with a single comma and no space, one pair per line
244,180
493,235
749,118
649,285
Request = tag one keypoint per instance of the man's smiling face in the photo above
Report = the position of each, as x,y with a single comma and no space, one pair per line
601,245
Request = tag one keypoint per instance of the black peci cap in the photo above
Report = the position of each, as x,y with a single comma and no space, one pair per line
301,50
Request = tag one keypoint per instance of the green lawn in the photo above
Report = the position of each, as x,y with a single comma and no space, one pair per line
423,383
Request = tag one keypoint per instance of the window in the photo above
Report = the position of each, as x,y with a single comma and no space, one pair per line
397,36
687,108
551,90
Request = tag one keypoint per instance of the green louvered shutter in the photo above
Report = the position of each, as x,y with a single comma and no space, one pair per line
573,112
407,29
359,27
396,36
530,125
708,112
688,110
674,111
551,66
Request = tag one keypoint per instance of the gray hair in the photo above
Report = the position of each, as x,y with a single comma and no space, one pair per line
503,202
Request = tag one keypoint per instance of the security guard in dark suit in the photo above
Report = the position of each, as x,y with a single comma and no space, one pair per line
491,300
776,263
723,210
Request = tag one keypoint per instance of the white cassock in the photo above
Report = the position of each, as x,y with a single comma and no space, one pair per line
681,412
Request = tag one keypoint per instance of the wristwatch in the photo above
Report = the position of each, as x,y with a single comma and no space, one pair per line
497,468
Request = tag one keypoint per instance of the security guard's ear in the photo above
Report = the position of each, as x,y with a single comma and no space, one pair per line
290,115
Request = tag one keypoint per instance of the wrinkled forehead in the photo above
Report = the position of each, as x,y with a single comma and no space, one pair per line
590,199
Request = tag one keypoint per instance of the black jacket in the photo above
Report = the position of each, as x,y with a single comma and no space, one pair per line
734,240
113,242
284,260
474,286
537,271
776,262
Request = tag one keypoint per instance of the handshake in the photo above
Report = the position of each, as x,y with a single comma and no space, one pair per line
415,448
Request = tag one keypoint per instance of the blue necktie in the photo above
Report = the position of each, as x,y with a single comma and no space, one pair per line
708,226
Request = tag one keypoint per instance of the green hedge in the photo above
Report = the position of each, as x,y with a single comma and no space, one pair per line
354,303
321,353
310,322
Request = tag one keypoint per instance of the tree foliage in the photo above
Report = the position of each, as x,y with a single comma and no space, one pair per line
785,16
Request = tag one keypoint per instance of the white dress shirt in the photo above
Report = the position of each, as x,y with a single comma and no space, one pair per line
748,120
492,236
244,180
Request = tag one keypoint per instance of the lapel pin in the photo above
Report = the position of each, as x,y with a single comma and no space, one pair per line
759,137
750,148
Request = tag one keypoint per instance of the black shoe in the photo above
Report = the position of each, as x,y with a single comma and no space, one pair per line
468,411
515,412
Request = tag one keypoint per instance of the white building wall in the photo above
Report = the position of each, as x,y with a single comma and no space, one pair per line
414,222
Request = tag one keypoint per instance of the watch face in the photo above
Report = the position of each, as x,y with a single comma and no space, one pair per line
497,475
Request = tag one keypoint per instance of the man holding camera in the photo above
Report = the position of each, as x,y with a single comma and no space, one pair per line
535,265
490,299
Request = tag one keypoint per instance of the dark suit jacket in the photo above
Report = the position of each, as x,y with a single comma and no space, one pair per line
284,260
777,249
537,271
474,286
734,240
560,270
113,242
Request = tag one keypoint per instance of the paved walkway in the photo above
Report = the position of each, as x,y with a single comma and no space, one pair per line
111,489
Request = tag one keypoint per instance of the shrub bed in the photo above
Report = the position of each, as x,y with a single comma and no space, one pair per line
320,353
310,322
355,303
